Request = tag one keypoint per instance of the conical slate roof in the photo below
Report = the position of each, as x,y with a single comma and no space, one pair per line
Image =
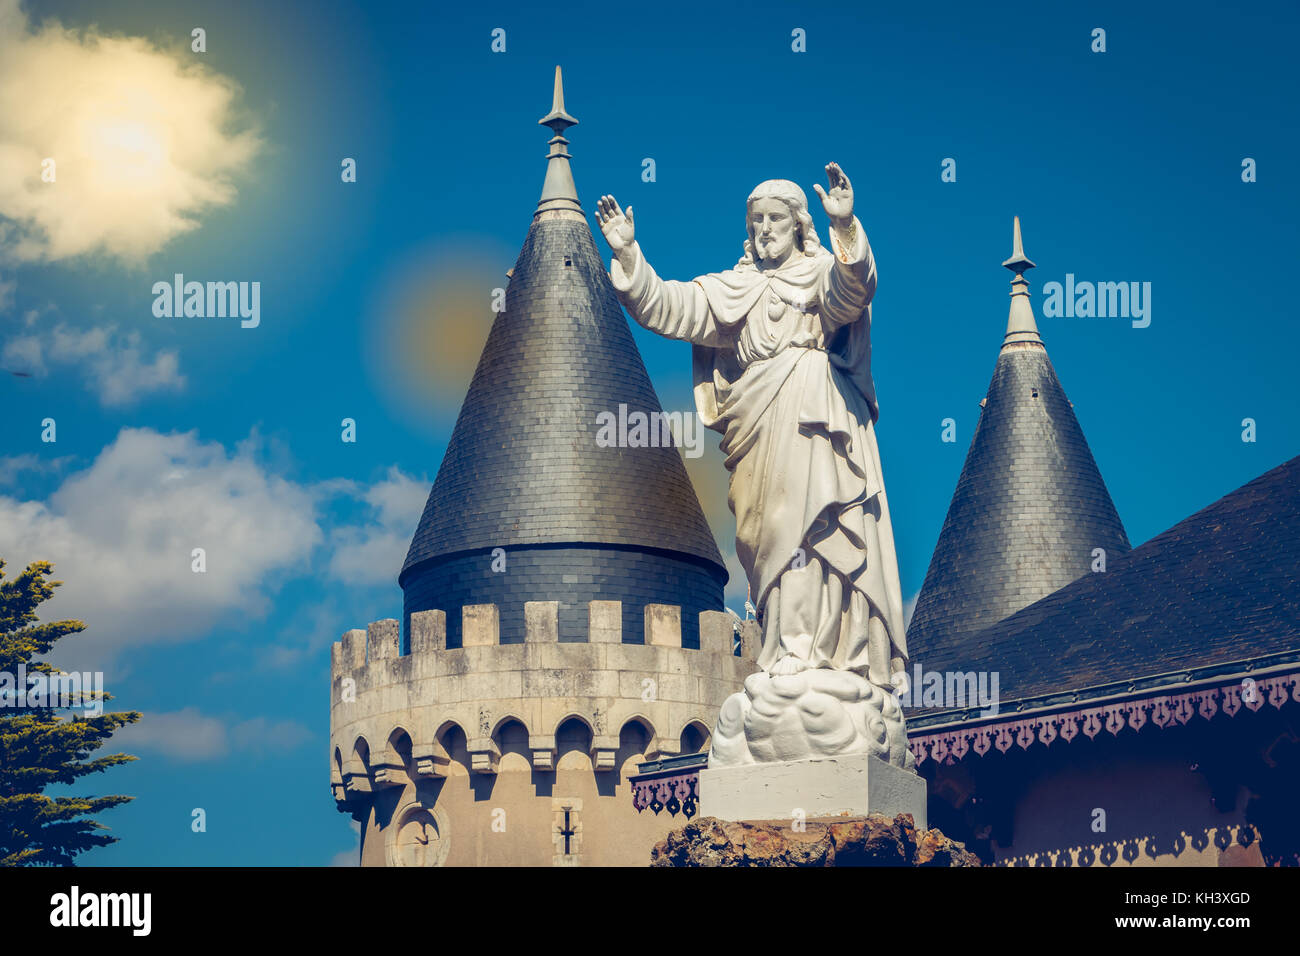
1218,589
1030,505
523,468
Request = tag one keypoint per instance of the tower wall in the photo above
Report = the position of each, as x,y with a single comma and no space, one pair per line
474,755
636,578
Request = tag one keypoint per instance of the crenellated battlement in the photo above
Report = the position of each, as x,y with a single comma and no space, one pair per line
480,627
395,718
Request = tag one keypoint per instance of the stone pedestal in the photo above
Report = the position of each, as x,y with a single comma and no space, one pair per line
846,786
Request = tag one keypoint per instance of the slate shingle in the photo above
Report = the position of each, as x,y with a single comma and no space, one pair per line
1029,508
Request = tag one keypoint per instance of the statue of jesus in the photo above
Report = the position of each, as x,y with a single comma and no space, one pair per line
782,367
781,351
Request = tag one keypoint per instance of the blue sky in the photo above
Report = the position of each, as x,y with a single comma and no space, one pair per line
171,433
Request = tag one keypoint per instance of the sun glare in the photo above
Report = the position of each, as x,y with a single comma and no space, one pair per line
124,152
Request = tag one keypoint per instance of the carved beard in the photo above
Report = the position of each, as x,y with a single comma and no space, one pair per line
765,250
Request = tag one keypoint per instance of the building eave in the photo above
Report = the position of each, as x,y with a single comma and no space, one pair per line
1141,687
1163,706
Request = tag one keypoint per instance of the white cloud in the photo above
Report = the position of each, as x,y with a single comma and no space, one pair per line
908,607
121,532
373,552
143,141
15,465
313,630
183,734
24,354
350,857
189,736
111,365
263,735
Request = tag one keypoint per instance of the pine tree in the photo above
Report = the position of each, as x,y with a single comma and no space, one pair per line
39,748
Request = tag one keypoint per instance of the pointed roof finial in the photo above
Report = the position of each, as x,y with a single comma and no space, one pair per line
557,119
558,191
1019,262
1021,326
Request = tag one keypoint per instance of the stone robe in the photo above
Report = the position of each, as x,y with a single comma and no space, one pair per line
782,364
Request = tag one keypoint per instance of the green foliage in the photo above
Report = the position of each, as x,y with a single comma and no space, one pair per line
39,748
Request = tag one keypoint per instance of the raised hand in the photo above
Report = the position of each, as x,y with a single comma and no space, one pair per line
615,224
838,203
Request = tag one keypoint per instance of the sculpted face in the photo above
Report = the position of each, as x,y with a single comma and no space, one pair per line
773,227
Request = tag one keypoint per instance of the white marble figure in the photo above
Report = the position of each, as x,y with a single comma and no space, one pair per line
782,365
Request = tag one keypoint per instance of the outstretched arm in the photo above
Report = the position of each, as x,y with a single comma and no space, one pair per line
847,287
678,310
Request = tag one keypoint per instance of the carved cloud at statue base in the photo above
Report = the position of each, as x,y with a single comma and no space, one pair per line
818,712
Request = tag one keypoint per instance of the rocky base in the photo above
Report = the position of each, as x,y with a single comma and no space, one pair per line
873,840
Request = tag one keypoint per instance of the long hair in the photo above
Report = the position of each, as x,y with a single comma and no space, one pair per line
805,234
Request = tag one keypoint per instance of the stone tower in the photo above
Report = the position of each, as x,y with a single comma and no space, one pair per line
1030,506
562,601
